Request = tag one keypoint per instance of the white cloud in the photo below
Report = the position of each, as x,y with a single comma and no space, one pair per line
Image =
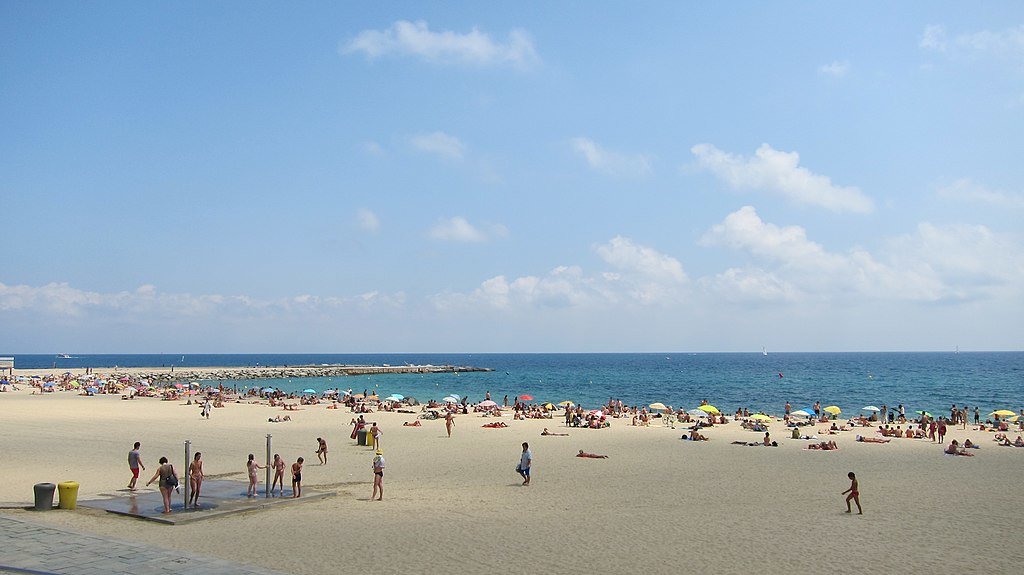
835,69
406,38
1008,43
952,263
373,148
612,163
440,144
458,229
368,220
933,38
61,300
625,254
779,172
967,191
644,276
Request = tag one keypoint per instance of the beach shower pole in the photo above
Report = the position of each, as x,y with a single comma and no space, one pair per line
188,455
266,486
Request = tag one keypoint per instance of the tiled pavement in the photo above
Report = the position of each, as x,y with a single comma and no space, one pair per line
27,547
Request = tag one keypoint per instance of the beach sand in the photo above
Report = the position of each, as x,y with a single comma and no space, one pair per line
456,505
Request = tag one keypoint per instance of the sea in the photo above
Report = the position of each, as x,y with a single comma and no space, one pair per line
925,381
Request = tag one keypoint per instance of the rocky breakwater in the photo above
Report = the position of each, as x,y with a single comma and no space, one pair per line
288,372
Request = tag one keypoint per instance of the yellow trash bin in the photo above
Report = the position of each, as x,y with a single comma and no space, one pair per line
68,492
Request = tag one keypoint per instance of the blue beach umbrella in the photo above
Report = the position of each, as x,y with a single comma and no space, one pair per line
268,389
801,412
397,396
92,390
309,390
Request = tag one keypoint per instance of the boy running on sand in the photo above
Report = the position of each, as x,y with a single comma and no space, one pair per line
854,493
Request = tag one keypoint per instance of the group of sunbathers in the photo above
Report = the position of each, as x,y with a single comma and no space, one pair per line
1005,441
823,446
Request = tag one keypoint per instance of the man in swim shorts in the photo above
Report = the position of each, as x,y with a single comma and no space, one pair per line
525,461
134,463
297,478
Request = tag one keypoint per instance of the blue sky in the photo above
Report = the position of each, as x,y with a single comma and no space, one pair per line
576,176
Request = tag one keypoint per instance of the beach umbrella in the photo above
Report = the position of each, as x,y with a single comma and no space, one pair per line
526,397
761,417
549,406
397,396
922,412
566,403
870,408
802,412
456,396
450,399
658,406
1003,413
709,409
487,403
92,390
1013,419
309,390
696,413
268,389
833,409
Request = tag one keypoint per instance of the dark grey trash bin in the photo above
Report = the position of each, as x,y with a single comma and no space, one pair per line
44,496
361,437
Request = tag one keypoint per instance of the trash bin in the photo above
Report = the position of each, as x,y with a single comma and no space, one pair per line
44,496
68,494
361,436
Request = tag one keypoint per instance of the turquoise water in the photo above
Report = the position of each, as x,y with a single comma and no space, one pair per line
927,381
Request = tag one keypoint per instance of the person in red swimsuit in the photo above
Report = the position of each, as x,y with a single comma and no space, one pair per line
854,493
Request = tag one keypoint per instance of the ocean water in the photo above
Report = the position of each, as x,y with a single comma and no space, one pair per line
920,381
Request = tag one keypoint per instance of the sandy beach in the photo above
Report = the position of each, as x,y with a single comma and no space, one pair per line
456,504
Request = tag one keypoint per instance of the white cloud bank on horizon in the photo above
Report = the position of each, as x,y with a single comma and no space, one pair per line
779,172
608,162
406,38
944,270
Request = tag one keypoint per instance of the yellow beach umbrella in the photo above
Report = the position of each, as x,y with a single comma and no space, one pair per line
833,409
566,403
760,417
1013,419
658,406
548,406
1003,413
709,409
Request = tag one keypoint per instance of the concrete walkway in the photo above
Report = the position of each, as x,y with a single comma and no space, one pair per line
27,547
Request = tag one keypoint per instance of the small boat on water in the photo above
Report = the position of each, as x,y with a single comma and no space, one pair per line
65,356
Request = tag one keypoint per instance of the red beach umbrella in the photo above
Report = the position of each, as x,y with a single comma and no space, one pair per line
526,397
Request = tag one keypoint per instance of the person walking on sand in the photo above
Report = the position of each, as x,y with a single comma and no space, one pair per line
251,467
206,409
321,450
854,493
525,461
297,478
378,476
449,422
168,481
278,466
134,463
195,479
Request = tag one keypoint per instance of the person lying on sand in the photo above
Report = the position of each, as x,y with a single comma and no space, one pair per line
279,419
755,444
412,424
546,432
591,455
495,425
695,436
863,439
955,449
824,446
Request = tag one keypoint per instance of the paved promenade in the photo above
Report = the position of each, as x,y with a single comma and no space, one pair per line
27,547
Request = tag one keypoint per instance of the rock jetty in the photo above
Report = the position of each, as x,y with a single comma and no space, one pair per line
287,372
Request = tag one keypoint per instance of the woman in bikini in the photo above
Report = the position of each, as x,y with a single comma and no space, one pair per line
251,467
195,479
278,467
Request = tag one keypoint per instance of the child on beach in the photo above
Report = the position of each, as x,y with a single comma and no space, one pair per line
854,493
297,478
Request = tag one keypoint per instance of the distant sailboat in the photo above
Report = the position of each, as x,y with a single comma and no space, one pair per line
764,350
